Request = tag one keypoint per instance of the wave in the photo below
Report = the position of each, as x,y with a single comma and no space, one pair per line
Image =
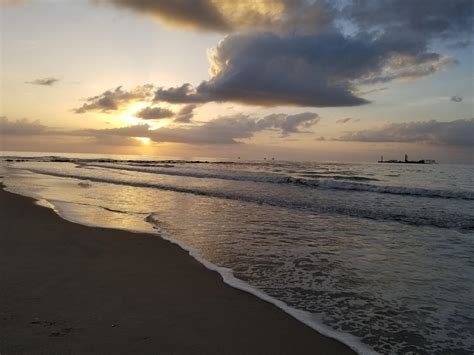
445,221
338,177
394,190
330,182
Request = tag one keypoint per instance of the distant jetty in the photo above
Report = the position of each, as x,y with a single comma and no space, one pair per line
406,161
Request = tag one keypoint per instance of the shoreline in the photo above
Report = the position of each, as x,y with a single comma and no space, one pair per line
73,288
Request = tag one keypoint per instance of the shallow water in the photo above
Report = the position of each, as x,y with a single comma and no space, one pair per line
383,252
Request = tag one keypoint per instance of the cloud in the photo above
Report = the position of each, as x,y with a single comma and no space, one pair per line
140,130
33,128
458,132
231,15
43,82
180,94
318,70
291,123
456,98
223,130
113,100
110,140
154,113
232,129
186,114
23,127
270,70
344,120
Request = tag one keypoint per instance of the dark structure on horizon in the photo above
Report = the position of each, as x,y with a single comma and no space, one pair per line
406,161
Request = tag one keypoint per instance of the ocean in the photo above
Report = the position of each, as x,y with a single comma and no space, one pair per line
378,256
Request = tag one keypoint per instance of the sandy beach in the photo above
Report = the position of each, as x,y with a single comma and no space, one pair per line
67,288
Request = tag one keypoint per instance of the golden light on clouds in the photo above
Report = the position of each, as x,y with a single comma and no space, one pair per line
248,12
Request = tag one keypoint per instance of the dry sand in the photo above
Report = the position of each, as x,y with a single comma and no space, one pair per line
67,288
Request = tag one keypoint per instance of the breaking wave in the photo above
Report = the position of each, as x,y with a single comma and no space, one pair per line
317,181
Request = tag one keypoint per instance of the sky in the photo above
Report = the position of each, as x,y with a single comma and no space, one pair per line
291,79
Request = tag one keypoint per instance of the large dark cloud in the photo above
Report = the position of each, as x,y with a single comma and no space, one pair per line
305,70
43,82
308,53
457,132
271,70
113,100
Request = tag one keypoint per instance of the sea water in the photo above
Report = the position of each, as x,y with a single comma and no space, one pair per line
379,256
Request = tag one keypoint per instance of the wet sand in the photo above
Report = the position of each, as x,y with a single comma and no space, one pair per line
67,288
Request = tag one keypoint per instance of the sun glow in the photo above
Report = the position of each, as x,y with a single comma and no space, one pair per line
144,140
128,117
